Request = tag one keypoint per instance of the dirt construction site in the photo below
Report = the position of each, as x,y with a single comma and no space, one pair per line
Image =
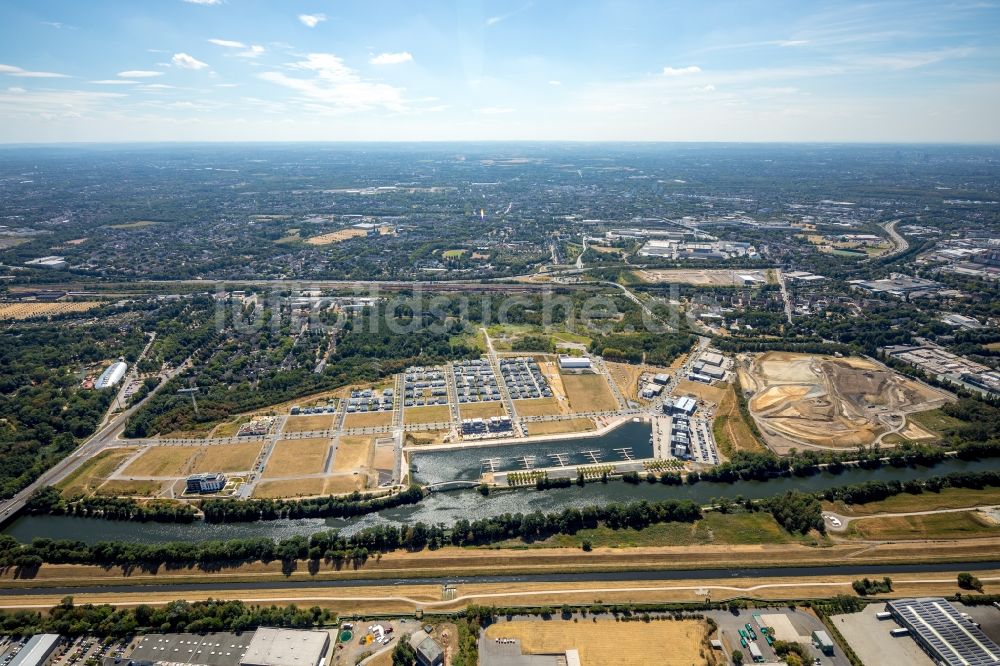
813,401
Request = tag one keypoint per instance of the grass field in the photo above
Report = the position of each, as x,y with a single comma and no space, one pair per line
452,254
537,407
966,524
294,457
424,437
368,420
337,236
948,498
229,428
30,310
657,643
715,528
290,488
86,478
434,414
993,346
308,423
556,427
340,484
588,393
935,421
119,487
352,453
730,429
481,410
702,391
162,461
226,457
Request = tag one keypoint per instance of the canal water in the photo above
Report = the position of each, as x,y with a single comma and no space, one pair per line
629,441
449,507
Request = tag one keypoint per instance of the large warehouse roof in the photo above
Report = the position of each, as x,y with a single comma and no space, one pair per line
286,647
941,630
37,650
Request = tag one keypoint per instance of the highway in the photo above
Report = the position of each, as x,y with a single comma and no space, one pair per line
106,436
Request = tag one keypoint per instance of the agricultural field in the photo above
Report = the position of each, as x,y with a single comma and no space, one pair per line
702,277
19,311
810,400
432,414
481,410
337,236
562,426
297,457
588,393
609,642
86,479
353,453
308,423
226,458
138,224
368,420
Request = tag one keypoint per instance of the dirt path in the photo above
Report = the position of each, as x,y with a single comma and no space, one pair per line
845,520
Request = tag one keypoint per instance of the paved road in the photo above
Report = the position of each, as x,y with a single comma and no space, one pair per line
103,438
845,520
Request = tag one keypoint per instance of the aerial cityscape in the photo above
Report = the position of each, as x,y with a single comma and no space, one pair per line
320,346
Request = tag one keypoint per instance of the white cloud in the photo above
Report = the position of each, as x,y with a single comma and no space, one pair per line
391,58
115,82
311,20
336,86
495,110
184,61
11,70
16,89
553,82
681,71
251,51
792,42
493,20
228,43
708,88
139,74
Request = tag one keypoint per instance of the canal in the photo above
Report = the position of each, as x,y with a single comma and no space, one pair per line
448,507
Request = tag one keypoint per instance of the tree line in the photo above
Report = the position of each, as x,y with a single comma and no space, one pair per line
68,619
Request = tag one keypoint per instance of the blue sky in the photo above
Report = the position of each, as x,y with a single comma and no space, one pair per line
301,70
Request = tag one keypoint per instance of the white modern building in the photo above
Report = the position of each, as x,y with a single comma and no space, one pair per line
111,376
286,647
38,651
575,363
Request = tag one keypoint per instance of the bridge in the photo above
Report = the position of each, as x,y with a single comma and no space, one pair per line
445,486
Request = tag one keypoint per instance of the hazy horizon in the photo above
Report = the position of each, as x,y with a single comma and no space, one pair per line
114,71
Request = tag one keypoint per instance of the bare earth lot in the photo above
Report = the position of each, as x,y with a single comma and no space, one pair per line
711,277
537,407
226,457
368,420
296,457
658,643
557,427
309,423
821,401
588,393
433,414
161,461
481,410
352,453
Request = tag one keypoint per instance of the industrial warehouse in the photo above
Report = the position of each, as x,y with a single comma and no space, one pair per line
267,646
947,637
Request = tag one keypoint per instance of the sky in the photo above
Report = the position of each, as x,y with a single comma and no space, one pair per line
429,70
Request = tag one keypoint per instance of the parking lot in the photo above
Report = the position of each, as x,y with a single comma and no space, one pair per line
786,624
